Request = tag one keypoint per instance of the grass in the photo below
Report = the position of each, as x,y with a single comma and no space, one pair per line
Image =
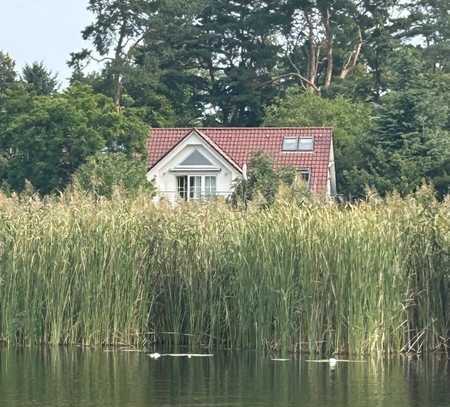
367,278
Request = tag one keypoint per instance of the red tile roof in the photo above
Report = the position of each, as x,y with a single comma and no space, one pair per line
239,144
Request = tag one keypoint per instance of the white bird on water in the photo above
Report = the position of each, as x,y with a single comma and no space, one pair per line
333,361
157,355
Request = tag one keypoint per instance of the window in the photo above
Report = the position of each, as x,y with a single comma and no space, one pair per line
290,144
195,187
196,158
305,144
190,187
210,186
182,187
305,176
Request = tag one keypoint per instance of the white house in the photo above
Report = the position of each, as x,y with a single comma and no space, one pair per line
196,163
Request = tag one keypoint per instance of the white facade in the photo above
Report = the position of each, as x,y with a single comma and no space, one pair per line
331,179
192,170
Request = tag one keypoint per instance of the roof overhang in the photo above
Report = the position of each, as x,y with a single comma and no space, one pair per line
196,168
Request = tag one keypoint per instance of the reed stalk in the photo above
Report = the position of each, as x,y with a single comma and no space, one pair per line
373,277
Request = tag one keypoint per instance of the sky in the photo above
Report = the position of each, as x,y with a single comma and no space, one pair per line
43,30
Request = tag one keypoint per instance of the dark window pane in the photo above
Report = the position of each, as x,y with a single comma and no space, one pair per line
182,187
305,176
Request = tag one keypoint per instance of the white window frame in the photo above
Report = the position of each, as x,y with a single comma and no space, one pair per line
196,193
297,140
210,187
306,138
290,138
306,171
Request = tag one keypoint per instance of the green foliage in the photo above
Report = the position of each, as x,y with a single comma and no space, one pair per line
351,122
411,137
104,172
39,80
429,21
7,71
264,181
131,76
49,137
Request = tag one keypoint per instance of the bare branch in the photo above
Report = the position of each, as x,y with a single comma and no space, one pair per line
100,60
297,75
136,43
352,60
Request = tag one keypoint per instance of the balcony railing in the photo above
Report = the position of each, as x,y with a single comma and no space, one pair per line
177,196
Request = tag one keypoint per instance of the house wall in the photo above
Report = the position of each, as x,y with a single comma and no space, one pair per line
331,182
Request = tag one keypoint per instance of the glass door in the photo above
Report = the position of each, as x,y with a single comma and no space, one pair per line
195,187
190,187
182,187
210,186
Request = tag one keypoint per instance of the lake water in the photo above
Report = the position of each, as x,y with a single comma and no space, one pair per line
65,377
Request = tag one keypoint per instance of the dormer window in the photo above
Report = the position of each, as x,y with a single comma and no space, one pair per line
291,143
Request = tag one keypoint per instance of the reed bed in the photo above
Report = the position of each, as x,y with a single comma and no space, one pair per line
312,277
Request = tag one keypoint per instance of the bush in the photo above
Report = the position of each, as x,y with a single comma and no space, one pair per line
104,172
263,182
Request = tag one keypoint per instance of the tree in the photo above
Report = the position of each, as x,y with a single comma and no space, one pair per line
51,136
119,27
7,71
410,141
325,41
39,79
351,122
218,62
313,27
103,172
238,53
201,59
12,98
263,181
118,30
131,76
427,23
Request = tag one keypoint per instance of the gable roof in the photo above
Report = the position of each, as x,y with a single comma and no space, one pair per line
238,144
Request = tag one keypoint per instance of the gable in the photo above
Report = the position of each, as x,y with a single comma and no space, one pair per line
194,153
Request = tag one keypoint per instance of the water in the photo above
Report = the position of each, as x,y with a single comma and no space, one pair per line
66,377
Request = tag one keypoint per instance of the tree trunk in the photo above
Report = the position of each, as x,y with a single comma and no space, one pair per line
119,91
117,66
313,52
328,46
353,57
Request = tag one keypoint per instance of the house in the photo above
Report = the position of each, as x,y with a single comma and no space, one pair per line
196,163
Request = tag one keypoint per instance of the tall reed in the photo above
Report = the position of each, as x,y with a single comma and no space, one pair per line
367,278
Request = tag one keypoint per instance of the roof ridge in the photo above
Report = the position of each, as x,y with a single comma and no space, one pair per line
245,128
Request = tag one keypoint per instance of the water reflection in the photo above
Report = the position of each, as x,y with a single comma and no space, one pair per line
67,377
